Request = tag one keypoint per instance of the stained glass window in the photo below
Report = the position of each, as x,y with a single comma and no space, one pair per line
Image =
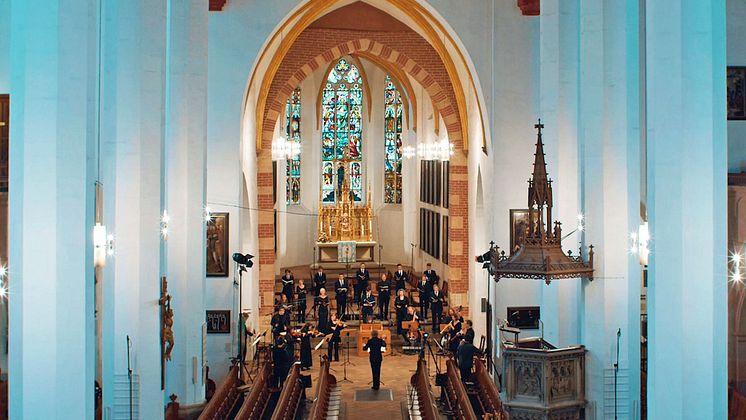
341,126
292,131
392,143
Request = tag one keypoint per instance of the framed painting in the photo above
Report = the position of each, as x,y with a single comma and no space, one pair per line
218,321
217,246
736,90
518,228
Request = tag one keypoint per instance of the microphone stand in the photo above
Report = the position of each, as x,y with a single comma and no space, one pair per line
129,373
616,370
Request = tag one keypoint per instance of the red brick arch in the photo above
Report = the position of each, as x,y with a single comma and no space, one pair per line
315,49
440,96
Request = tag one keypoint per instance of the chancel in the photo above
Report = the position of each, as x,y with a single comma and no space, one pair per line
329,209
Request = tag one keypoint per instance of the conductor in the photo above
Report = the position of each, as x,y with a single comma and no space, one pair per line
375,346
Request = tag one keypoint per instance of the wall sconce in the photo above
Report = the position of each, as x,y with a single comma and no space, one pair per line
736,275
99,245
639,243
164,224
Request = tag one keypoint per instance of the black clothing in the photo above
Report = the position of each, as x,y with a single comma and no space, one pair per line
280,359
334,342
432,277
384,297
375,345
323,304
401,310
368,302
301,292
340,289
278,322
465,358
425,290
469,335
400,278
287,286
436,304
361,283
319,281
306,361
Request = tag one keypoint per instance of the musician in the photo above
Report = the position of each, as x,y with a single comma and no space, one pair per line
432,276
465,358
424,288
340,290
322,302
319,280
301,291
337,326
280,360
411,316
279,321
368,302
454,325
469,331
400,277
384,297
400,304
362,277
306,361
436,305
244,334
287,285
376,347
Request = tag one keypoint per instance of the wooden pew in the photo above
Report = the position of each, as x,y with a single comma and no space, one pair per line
736,404
255,403
488,394
225,398
324,388
293,392
456,394
421,384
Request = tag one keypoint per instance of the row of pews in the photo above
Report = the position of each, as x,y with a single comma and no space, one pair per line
479,398
328,402
229,401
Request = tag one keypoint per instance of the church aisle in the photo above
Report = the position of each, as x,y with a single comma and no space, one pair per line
395,374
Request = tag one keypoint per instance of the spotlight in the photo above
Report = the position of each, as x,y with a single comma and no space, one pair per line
485,259
243,259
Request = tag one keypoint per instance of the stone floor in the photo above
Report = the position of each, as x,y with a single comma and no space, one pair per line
396,372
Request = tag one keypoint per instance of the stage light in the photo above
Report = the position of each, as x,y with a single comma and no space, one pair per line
244,260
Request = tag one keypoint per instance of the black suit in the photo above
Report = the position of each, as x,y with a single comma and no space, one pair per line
436,304
465,357
375,345
341,297
469,335
400,278
319,281
368,302
432,277
361,283
424,290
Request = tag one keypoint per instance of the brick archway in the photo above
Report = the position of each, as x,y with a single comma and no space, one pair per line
428,70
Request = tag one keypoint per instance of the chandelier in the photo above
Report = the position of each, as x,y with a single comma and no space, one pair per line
282,149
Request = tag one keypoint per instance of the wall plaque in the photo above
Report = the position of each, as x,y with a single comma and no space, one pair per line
218,322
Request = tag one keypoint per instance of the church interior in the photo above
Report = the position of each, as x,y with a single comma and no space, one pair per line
345,209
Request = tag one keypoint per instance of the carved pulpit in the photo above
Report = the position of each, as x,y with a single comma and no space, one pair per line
345,221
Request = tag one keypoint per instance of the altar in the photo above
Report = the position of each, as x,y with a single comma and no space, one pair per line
345,229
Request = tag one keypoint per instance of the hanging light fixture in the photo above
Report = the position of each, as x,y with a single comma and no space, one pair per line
282,149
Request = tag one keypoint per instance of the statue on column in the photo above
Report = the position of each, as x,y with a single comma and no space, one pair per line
167,321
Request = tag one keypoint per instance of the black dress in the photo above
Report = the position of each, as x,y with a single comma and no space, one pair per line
401,311
287,286
301,292
306,361
323,304
334,343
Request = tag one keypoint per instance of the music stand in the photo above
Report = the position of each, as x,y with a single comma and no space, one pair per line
347,359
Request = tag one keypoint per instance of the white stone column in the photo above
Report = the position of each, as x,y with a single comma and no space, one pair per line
687,209
133,97
52,348
185,152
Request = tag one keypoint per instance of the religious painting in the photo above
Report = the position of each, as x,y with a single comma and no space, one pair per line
217,245
518,228
218,321
524,317
736,90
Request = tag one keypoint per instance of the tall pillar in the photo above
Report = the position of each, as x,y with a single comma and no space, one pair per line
52,348
185,162
609,141
687,209
133,98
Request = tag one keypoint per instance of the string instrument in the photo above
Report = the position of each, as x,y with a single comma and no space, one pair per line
414,329
336,323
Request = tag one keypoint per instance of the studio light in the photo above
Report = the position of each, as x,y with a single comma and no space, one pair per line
243,259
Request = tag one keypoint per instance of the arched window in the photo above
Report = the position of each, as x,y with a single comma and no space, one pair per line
392,143
292,131
341,126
